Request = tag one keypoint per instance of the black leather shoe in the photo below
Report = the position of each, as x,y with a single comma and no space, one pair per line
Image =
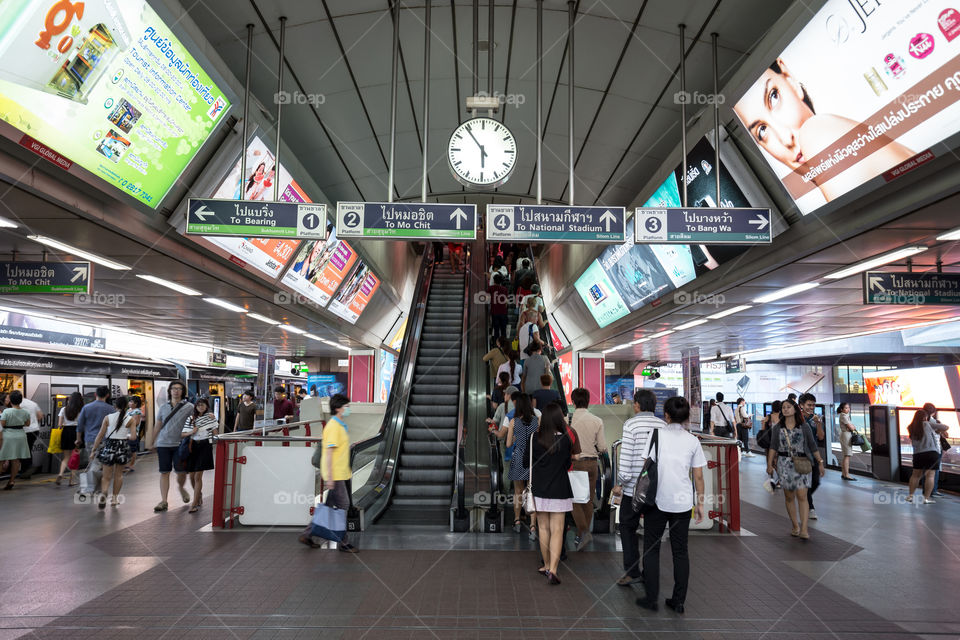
647,604
676,606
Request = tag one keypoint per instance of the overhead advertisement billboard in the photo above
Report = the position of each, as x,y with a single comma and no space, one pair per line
319,267
267,255
637,274
355,294
863,88
106,84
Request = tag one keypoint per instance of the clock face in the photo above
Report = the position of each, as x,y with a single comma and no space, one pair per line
482,153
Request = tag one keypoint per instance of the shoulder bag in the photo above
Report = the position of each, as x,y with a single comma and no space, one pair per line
944,443
645,492
727,429
801,463
763,438
529,502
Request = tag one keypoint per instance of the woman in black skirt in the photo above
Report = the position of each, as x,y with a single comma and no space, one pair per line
67,420
200,427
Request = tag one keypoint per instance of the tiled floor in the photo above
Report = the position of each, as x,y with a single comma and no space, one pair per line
873,569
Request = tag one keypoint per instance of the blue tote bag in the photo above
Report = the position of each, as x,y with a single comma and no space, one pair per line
329,523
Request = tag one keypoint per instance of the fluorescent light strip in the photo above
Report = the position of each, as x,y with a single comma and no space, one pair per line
784,293
692,323
730,312
950,235
225,305
257,316
876,261
313,337
291,328
80,253
617,348
335,344
8,224
170,285
662,333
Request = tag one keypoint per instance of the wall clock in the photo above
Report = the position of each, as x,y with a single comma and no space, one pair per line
482,152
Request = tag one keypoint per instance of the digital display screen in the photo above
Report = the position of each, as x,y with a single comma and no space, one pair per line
106,84
388,366
267,255
864,88
628,276
355,294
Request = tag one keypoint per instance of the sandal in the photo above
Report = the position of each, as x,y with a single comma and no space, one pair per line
194,508
533,534
58,480
162,506
803,535
795,532
517,526
8,486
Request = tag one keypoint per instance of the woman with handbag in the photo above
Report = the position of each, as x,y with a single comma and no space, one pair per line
925,438
548,458
847,429
794,450
199,428
67,422
520,427
677,454
116,430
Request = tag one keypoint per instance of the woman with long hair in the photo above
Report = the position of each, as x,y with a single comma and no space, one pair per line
135,412
519,429
67,421
847,429
200,427
116,430
926,454
513,367
550,485
792,450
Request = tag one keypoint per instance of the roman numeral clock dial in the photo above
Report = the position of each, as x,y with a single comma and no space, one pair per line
482,152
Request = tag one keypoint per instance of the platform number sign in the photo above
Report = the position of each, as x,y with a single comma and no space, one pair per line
352,220
653,225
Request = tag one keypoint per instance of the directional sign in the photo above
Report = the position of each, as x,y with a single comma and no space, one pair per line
702,226
45,277
538,223
247,219
407,220
905,288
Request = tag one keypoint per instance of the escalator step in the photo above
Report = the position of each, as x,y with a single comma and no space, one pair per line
418,398
423,490
432,434
432,476
426,372
413,460
430,410
440,453
431,422
436,389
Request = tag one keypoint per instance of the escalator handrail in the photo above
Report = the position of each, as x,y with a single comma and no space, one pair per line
496,473
374,495
459,500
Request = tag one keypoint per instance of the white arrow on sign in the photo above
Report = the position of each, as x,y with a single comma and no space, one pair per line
80,272
608,218
874,284
458,214
760,221
203,212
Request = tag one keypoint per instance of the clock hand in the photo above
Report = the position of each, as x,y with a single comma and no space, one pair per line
475,139
483,154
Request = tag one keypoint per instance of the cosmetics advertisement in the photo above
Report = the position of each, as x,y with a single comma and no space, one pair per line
106,84
266,255
565,363
339,257
309,264
863,88
355,294
600,296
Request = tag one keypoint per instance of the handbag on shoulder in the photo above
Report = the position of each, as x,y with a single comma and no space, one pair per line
645,492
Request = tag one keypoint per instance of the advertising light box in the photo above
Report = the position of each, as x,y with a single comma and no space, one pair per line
320,267
106,84
864,87
355,294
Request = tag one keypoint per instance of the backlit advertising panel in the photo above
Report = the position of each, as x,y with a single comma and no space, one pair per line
312,261
355,294
106,84
388,366
863,88
565,363
267,255
601,297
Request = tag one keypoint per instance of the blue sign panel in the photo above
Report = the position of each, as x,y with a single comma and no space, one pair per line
45,277
247,219
540,223
700,225
407,220
906,288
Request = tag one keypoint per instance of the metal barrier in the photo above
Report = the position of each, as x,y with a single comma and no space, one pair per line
721,480
229,462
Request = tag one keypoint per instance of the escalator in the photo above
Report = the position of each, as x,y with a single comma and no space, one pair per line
426,470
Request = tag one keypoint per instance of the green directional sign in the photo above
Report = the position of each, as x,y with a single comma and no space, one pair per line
907,288
238,218
45,277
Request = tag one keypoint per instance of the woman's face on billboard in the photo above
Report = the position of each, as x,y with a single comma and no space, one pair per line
773,111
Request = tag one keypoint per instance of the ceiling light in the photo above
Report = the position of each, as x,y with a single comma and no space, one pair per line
784,293
335,344
950,235
313,337
730,312
257,316
80,253
692,323
7,224
225,305
291,328
661,334
876,261
170,285
617,348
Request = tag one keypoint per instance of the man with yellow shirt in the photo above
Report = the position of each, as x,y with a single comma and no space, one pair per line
335,464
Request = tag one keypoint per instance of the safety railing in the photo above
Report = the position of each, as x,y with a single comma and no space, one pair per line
230,460
721,481
458,511
492,516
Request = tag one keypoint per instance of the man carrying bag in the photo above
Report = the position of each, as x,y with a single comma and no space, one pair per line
721,419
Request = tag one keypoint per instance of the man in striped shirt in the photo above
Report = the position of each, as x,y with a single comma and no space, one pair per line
637,432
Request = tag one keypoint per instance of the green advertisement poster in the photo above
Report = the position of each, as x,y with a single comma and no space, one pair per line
107,85
600,296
